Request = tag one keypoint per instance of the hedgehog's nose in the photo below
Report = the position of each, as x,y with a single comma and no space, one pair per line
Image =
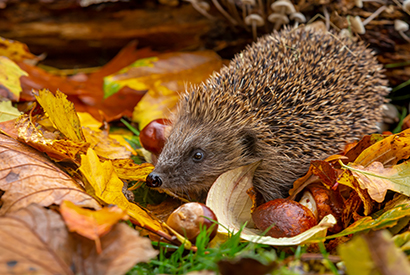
153,180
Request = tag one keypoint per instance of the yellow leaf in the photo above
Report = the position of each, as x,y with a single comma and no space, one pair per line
15,50
158,103
387,151
10,75
126,169
8,112
104,184
377,179
87,120
104,145
62,114
48,142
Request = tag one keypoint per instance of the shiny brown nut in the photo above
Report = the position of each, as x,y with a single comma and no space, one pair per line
287,218
188,219
153,135
327,202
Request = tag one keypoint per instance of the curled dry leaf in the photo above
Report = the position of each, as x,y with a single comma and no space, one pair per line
27,176
35,239
232,206
37,137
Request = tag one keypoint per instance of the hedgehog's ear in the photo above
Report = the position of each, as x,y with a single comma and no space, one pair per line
248,139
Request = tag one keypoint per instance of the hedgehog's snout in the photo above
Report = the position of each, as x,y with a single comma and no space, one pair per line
153,180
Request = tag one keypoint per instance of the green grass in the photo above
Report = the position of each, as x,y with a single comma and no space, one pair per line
176,260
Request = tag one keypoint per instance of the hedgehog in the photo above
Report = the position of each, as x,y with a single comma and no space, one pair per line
289,98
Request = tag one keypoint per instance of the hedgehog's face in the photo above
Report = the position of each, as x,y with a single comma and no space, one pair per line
196,154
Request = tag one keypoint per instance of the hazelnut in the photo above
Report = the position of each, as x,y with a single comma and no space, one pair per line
287,218
190,217
153,135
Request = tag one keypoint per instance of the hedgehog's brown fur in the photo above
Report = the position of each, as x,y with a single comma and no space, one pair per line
289,98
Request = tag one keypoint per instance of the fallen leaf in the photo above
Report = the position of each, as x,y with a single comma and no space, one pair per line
27,176
377,180
62,114
373,253
15,50
36,241
325,171
384,218
7,111
52,143
347,179
126,169
91,224
10,75
232,206
104,145
388,151
86,90
104,184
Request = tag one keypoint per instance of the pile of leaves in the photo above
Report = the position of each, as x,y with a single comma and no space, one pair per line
68,166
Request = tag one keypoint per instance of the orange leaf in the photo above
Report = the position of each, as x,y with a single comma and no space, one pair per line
91,224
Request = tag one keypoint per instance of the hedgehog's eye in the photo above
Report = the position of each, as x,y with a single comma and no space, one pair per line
198,155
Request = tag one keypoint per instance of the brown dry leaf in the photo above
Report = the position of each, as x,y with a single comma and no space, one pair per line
325,171
126,169
48,142
104,184
10,75
27,176
62,114
104,145
377,180
15,50
36,241
91,224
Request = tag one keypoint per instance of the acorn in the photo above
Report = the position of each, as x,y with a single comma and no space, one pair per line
153,135
189,218
285,218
